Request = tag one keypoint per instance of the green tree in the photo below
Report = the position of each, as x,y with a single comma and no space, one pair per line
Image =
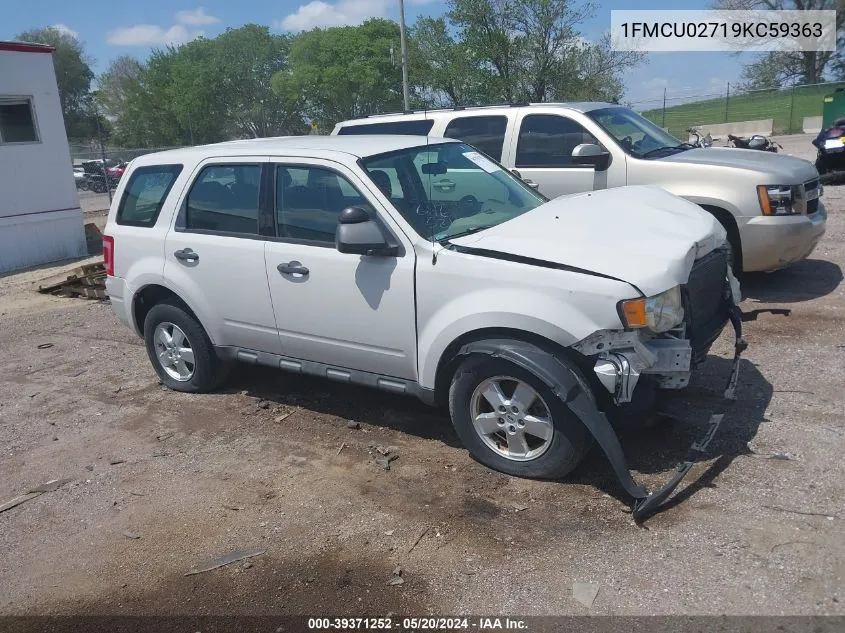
442,69
517,50
118,89
245,61
343,72
776,69
73,76
205,91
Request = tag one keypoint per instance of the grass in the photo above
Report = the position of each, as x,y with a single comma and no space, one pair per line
786,107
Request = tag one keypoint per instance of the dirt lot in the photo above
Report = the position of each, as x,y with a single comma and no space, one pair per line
269,464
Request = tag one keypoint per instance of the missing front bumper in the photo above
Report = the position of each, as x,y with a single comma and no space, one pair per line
647,503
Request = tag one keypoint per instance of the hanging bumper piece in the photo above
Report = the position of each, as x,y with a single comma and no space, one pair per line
567,387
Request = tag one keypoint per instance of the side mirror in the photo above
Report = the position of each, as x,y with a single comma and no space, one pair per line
358,234
527,181
591,154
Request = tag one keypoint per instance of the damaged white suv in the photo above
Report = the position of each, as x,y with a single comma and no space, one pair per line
420,268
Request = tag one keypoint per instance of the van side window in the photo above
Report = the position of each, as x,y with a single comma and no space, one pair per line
486,133
145,193
413,128
309,201
224,199
547,140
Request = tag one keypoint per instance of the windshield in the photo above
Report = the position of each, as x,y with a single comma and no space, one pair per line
449,189
635,134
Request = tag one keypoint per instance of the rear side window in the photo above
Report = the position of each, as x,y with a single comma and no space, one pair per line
547,140
485,133
145,194
224,199
413,128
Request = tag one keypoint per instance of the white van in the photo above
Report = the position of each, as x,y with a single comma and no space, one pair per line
769,204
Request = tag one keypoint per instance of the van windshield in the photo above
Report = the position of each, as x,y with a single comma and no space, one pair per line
635,134
447,190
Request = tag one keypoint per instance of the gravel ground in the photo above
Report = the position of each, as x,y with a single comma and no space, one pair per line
269,464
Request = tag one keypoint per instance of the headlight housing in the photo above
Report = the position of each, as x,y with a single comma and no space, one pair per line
659,313
776,199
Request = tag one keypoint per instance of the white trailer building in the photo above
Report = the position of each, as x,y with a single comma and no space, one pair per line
40,217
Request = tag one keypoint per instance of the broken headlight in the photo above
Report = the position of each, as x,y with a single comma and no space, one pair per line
659,313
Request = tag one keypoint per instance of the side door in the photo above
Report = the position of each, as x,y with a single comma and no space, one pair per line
349,311
214,254
485,133
543,153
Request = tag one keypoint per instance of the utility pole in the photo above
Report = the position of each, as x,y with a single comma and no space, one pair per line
663,124
404,54
102,151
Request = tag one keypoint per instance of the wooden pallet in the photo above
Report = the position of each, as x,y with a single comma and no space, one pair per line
87,282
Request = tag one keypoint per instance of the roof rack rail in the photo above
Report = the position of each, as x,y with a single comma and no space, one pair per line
516,104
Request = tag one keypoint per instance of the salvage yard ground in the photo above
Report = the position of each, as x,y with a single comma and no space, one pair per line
164,482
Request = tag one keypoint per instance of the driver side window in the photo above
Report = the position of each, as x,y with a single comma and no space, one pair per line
547,140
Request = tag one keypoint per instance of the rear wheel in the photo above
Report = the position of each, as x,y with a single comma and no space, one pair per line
180,350
511,421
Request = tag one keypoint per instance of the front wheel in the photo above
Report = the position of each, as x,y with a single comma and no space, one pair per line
512,422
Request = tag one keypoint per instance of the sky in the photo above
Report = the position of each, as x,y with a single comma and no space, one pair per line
108,30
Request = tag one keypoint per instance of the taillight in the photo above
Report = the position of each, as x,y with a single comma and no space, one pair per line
108,254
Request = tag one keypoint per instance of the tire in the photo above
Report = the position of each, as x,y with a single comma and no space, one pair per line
204,371
567,440
734,253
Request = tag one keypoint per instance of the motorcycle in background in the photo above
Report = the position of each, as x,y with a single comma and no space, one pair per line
700,141
757,141
830,144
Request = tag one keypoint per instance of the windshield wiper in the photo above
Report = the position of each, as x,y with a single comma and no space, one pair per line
665,147
474,229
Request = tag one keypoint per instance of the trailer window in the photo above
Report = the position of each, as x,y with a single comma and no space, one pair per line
17,121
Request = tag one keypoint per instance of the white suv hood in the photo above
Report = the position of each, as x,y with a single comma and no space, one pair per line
779,168
642,235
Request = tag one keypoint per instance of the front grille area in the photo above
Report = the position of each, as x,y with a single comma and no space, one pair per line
706,299
809,195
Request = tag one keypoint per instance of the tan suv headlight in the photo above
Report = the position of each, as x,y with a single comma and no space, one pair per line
659,313
775,199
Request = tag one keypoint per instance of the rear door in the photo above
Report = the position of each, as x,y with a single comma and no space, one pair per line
543,153
485,133
214,254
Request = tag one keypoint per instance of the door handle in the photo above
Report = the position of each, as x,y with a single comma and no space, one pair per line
444,185
292,268
186,255
531,183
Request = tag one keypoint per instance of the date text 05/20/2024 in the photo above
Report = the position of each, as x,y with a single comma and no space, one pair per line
417,624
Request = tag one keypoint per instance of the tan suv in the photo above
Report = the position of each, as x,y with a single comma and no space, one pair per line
769,204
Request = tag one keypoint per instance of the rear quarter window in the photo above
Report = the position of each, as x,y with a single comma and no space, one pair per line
411,128
145,194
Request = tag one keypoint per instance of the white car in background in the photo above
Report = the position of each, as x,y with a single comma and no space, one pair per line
346,258
769,204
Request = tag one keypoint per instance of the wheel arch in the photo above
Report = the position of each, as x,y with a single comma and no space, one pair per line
150,295
451,358
728,222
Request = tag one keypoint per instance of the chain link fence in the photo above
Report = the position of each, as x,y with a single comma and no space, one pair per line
94,184
788,107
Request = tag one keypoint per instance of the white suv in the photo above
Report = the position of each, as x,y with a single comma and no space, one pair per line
769,204
347,258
